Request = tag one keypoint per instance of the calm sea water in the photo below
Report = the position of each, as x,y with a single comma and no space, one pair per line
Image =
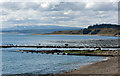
17,63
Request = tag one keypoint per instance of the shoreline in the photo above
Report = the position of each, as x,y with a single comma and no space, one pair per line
109,66
65,34
80,34
86,65
104,67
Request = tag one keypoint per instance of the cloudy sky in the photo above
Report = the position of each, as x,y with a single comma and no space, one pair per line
72,14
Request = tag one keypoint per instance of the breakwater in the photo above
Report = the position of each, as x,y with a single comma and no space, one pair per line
28,46
73,52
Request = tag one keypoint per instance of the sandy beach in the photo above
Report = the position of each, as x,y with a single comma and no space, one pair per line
109,66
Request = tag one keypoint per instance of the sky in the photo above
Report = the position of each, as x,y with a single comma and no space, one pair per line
59,13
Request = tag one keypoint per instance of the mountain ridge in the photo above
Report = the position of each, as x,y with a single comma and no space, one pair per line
39,29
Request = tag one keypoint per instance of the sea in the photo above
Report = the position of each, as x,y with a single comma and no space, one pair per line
14,62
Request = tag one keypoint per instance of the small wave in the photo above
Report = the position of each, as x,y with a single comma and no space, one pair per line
105,59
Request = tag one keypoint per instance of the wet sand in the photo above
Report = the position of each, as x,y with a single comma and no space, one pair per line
109,66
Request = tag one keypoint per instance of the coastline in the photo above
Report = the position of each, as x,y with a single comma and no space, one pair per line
80,34
65,34
106,67
109,66
82,68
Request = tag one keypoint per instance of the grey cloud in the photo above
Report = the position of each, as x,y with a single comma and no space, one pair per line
3,13
12,5
23,21
78,16
69,6
104,6
75,6
31,5
57,7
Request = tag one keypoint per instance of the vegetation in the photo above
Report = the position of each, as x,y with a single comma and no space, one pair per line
84,51
101,29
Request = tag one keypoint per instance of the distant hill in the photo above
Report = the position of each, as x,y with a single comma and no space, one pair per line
98,29
39,29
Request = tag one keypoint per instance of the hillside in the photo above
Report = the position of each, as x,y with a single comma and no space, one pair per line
101,29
